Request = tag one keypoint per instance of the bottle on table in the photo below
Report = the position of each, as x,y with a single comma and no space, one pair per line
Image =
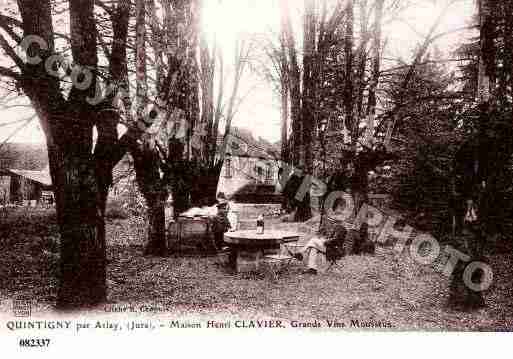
260,224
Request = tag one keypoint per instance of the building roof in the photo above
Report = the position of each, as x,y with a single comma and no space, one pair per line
42,177
242,143
26,156
28,160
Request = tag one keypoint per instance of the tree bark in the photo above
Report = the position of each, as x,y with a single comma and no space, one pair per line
155,192
284,121
83,254
360,187
362,58
309,105
156,245
376,63
349,86
294,79
284,93
146,158
207,60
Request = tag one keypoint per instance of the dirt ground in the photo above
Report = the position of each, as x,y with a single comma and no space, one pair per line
385,287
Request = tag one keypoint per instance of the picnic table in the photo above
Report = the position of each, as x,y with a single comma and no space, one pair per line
247,247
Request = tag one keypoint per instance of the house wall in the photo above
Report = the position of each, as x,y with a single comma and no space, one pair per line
240,171
16,189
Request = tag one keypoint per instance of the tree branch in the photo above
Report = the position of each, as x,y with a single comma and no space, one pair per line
11,53
5,21
9,73
428,40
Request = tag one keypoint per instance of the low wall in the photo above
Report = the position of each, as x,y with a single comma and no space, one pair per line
252,211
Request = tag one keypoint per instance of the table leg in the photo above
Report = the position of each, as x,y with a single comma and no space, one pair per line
248,260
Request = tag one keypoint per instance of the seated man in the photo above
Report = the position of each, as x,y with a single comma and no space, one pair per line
328,243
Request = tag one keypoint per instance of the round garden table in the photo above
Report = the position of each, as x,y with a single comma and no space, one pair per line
247,247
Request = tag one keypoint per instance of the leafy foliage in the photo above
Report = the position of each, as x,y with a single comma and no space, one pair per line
420,178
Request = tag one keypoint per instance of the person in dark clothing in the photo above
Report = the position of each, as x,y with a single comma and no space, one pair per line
221,224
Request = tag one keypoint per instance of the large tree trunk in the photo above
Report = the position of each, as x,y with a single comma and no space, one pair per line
80,210
80,177
156,244
204,188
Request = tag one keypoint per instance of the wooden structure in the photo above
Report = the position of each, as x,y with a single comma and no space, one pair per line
23,186
195,231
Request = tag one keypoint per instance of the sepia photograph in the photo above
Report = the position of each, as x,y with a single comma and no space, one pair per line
179,169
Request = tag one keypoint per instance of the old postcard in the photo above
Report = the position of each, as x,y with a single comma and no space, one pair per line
176,172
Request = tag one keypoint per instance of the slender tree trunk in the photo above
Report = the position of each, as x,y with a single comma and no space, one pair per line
142,87
349,86
155,192
207,60
508,44
284,93
362,58
218,109
240,64
156,43
487,53
295,112
376,63
365,246
284,121
360,186
294,78
146,159
309,106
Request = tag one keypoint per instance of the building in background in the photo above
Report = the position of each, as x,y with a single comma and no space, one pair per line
24,174
250,169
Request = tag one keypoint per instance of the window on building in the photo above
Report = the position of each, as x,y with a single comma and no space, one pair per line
268,174
235,146
260,173
228,168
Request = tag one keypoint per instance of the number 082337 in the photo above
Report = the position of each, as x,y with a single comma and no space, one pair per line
34,343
